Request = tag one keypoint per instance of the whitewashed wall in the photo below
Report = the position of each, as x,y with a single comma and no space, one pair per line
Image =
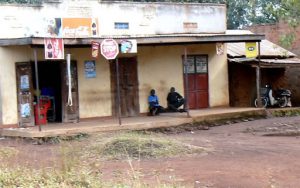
143,18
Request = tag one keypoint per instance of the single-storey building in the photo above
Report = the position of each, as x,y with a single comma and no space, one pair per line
178,45
275,63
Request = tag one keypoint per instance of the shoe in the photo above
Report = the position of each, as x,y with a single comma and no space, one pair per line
182,110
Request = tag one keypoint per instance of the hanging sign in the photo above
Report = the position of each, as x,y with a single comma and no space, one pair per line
251,50
109,48
54,48
128,46
220,48
95,49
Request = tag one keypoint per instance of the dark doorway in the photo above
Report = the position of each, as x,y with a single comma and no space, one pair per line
128,87
49,73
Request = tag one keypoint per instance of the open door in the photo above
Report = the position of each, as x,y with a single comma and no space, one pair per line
25,94
128,87
70,101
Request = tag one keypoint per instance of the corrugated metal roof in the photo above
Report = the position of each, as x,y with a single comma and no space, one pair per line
271,63
268,49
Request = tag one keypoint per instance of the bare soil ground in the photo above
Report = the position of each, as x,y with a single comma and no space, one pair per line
259,153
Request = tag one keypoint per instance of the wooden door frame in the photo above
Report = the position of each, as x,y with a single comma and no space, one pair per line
186,90
30,91
64,108
113,83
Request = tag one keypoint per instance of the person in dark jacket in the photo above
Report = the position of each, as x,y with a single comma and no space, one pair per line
175,100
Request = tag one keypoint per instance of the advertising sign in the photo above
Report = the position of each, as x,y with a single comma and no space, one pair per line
54,48
251,50
53,27
80,27
109,48
95,49
128,46
90,69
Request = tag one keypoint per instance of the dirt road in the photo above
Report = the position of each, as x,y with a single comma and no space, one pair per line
238,155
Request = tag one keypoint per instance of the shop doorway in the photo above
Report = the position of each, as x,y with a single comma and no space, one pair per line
54,93
128,87
197,73
50,88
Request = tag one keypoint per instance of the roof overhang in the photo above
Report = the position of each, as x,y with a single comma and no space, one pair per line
144,39
267,63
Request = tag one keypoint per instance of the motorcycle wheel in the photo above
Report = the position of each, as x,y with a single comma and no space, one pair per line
282,102
264,102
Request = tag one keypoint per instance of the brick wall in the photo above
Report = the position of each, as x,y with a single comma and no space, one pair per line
274,32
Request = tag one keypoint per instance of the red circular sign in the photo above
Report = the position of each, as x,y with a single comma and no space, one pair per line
109,48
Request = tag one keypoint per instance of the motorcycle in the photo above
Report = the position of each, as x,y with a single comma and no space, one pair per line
282,97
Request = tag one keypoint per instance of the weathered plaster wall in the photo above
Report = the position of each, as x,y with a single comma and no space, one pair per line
160,67
142,18
94,93
1,121
8,57
218,78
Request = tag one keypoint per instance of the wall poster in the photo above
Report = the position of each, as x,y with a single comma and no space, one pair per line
25,110
24,83
90,69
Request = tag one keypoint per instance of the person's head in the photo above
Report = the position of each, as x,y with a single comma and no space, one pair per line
172,89
152,92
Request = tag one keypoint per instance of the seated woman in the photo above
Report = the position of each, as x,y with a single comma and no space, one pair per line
154,106
175,100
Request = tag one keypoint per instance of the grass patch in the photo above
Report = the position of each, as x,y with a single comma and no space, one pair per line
25,177
286,113
7,152
136,145
60,139
83,178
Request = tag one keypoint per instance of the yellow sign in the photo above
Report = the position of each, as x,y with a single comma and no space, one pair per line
251,50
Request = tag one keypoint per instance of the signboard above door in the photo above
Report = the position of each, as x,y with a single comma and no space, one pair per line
109,49
54,48
63,27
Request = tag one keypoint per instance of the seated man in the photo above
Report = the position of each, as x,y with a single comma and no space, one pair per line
175,100
154,106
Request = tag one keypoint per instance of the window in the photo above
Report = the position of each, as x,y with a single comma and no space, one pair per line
121,25
196,64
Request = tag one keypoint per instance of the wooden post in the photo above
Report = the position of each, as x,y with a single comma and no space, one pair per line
186,81
258,79
37,87
118,92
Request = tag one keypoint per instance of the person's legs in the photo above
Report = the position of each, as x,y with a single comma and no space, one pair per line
172,107
179,103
